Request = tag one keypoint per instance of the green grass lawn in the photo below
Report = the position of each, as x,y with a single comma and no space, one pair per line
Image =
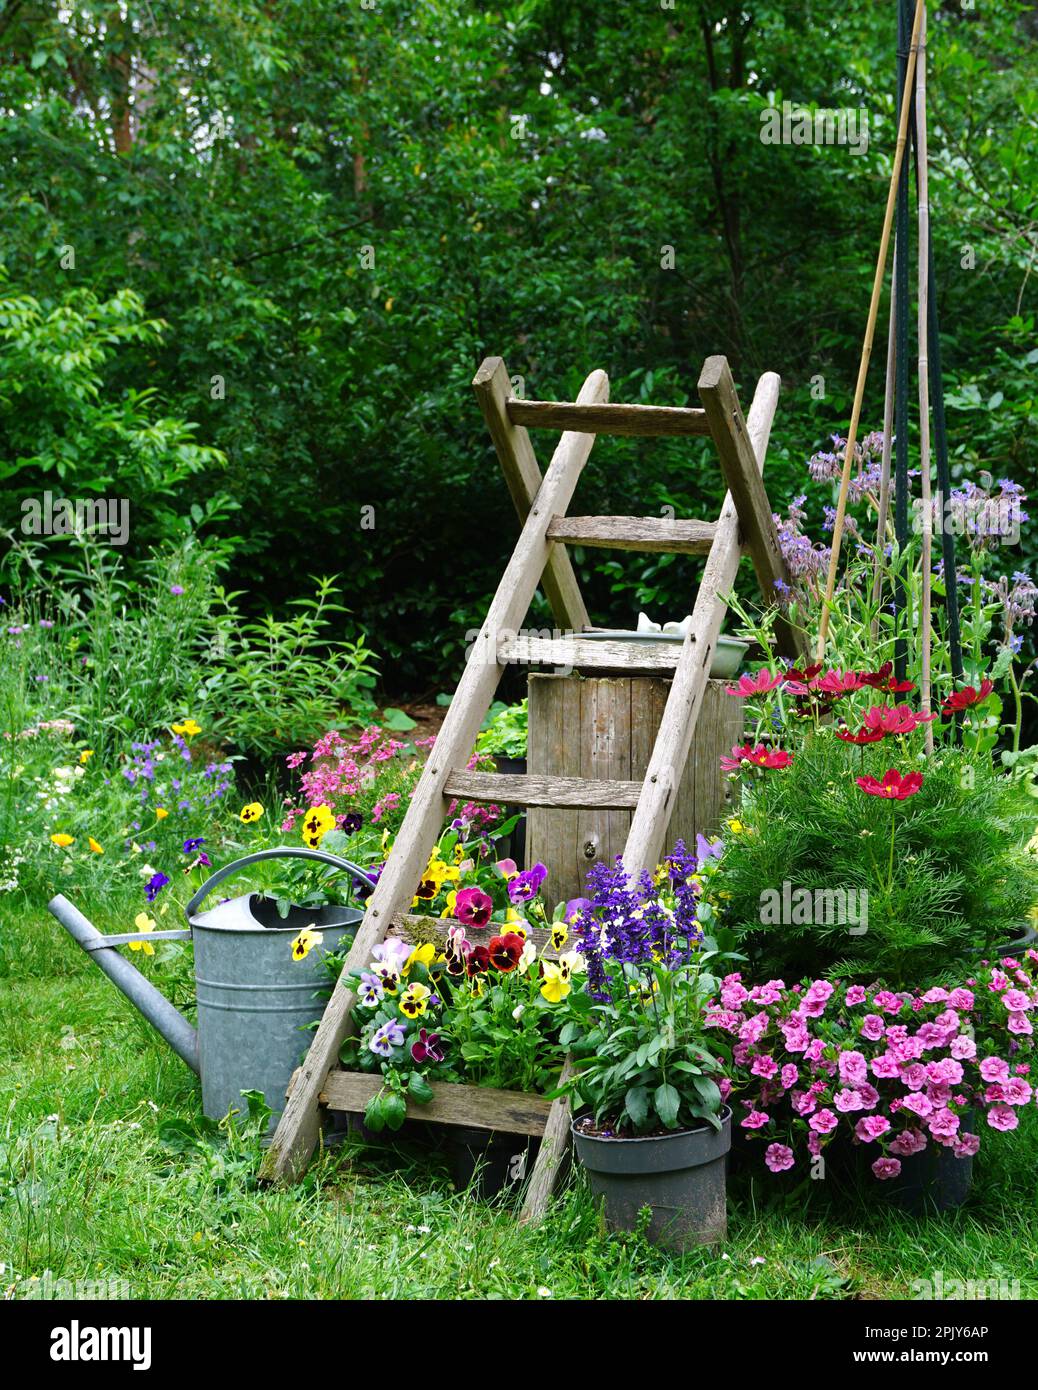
107,1170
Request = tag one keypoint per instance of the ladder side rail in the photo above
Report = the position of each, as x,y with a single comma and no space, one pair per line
663,775
298,1130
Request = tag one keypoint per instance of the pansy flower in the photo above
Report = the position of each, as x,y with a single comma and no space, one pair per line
477,962
385,1038
369,990
473,907
505,952
426,1048
415,1000
527,884
154,886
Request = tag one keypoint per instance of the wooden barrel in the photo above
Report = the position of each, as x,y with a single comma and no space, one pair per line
605,727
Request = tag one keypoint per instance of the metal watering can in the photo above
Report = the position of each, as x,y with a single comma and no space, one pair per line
253,998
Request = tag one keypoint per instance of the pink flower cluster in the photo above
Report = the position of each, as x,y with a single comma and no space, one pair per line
339,770
897,1070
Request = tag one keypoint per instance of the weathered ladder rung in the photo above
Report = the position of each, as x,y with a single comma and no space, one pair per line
477,1107
608,418
587,654
655,534
576,793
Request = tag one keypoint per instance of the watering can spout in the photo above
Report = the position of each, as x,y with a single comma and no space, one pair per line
141,993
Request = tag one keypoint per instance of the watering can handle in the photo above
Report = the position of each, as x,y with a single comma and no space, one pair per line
288,852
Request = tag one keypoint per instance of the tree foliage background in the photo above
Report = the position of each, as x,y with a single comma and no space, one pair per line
252,253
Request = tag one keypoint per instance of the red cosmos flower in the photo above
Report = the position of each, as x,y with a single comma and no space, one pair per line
839,682
862,736
759,684
758,756
505,951
881,680
473,907
897,720
894,787
477,962
963,699
798,681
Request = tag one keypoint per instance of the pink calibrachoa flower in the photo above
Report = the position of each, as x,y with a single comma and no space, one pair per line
824,1122
778,1157
908,1142
994,1069
855,995
1017,1091
870,1127
885,1168
756,1119
758,684
871,1027
1016,1001
966,1145
1002,1117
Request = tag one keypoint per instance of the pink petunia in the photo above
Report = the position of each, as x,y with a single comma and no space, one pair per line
917,1103
1002,1117
966,1145
1016,1001
855,995
994,1069
871,1027
908,1142
790,1076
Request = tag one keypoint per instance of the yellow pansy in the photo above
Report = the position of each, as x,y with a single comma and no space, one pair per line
559,935
459,852
448,911
62,840
161,813
415,1000
143,923
305,943
188,728
421,955
251,812
94,846
554,984
86,755
316,824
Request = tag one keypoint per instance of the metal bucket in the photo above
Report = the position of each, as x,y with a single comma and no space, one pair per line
255,1002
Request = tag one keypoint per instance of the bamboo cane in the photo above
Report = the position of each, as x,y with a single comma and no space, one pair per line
923,204
883,516
870,333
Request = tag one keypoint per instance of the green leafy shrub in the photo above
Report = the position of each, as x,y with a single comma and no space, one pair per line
952,882
504,736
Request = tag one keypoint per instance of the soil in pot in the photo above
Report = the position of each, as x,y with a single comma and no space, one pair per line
679,1177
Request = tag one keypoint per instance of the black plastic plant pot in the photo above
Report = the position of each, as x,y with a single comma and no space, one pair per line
679,1177
1021,943
934,1180
514,846
485,1163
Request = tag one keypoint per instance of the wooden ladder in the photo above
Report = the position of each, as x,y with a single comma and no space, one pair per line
540,557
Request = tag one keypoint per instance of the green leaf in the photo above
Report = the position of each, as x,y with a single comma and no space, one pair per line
394,1107
668,1103
637,1105
374,1114
397,720
419,1089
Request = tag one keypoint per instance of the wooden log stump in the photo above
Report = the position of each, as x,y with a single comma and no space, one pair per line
605,728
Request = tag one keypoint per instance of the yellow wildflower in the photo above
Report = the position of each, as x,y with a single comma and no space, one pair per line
62,840
161,813
143,923
735,826
95,847
86,755
187,729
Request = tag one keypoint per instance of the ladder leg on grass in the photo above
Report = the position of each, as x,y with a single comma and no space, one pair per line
298,1129
539,558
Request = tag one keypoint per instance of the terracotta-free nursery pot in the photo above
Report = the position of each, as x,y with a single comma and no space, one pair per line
680,1177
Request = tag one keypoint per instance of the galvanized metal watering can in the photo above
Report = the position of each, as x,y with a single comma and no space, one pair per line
253,998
